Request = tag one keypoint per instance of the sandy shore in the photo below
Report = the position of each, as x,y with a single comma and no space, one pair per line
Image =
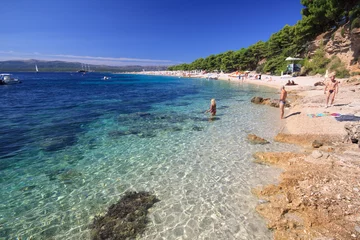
318,196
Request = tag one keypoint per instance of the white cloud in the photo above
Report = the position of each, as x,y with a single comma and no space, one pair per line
113,61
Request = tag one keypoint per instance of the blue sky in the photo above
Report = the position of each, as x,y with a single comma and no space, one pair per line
144,32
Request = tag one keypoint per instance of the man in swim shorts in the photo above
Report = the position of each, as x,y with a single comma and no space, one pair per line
331,89
282,101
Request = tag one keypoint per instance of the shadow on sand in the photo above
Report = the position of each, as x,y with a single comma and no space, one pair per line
293,114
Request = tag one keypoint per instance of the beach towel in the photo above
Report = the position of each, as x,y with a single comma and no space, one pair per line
347,118
311,115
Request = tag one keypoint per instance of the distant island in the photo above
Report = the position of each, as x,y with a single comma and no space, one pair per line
61,66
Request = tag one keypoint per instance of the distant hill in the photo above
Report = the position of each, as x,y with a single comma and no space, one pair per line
61,66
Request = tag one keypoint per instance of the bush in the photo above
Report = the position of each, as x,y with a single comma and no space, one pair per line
318,62
260,68
355,23
339,67
343,32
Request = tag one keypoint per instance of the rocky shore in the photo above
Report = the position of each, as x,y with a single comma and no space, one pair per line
318,195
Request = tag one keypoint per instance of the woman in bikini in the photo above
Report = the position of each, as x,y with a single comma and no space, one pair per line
331,89
212,109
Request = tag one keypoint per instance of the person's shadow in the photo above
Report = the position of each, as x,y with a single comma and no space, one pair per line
339,105
293,114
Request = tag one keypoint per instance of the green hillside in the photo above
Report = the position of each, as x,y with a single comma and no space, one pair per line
60,66
317,17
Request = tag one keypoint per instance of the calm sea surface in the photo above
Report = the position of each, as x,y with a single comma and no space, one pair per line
73,144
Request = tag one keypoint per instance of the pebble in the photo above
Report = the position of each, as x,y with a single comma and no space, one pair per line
316,154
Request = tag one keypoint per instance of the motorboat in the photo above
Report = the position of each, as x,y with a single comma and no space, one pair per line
212,76
7,79
106,78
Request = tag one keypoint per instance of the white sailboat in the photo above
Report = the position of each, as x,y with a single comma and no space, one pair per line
36,68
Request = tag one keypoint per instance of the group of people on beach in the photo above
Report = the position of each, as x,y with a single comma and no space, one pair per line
331,89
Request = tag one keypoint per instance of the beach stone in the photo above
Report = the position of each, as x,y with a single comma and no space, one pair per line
316,154
262,201
257,100
253,139
353,132
319,84
317,144
268,101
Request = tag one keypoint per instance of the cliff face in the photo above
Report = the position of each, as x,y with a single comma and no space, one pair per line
343,42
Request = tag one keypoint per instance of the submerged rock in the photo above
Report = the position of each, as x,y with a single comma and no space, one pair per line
125,219
253,139
257,100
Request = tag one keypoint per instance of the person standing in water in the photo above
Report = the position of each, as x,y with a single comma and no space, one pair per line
282,101
331,89
212,109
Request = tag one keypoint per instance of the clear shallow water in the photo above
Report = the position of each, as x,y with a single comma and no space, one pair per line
72,144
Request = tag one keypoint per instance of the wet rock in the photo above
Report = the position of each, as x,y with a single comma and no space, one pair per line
317,144
126,219
257,100
268,101
253,139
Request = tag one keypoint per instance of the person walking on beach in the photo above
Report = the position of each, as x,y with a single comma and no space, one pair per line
331,89
212,108
282,101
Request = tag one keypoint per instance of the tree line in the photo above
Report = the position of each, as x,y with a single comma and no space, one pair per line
318,16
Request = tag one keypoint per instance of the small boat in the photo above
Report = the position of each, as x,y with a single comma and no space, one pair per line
212,76
106,78
7,79
36,68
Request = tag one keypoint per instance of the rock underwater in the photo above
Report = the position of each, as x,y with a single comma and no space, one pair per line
125,219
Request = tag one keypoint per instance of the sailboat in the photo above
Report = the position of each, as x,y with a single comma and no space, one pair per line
36,68
82,69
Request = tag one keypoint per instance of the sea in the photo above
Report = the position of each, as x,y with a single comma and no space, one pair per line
72,144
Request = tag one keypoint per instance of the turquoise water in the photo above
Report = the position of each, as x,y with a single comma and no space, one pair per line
73,144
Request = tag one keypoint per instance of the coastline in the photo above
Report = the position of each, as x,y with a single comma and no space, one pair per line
318,192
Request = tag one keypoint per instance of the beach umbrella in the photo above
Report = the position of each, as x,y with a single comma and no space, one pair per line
293,59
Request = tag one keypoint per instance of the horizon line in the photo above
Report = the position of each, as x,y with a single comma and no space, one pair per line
109,61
